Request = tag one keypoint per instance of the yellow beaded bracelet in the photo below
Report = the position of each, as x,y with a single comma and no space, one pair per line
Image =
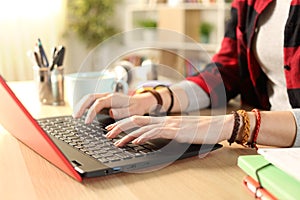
246,127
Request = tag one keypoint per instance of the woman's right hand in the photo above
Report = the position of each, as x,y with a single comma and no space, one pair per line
120,105
183,129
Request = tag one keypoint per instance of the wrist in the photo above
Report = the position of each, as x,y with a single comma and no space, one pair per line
146,101
167,97
163,100
236,125
230,123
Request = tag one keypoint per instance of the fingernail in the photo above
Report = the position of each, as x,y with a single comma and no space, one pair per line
109,127
117,143
107,135
135,141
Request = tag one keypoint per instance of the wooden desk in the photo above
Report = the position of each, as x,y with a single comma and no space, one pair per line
26,175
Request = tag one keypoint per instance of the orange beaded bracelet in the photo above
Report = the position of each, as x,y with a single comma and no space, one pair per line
256,129
246,127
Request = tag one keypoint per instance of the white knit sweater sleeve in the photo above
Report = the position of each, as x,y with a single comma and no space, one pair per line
197,97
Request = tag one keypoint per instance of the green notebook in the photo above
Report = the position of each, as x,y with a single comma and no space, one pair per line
276,181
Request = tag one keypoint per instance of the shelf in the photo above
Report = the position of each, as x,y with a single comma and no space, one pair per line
176,46
186,6
183,19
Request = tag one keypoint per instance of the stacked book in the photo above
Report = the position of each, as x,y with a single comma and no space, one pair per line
275,174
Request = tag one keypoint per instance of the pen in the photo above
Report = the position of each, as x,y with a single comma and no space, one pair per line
255,188
58,58
61,55
43,54
37,59
53,53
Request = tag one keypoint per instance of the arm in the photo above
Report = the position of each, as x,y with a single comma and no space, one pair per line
123,105
188,96
219,81
221,78
210,82
278,128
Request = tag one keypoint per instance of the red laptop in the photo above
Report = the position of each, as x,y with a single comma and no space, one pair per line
82,150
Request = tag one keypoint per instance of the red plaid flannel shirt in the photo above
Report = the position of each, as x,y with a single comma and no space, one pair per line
234,69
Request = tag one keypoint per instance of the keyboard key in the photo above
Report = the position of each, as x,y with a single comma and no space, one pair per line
91,139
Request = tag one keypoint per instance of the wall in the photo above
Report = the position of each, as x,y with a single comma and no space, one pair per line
22,22
21,25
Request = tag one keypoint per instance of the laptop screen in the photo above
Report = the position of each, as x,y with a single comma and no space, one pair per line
17,120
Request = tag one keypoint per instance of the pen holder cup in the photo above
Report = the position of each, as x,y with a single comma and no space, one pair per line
50,85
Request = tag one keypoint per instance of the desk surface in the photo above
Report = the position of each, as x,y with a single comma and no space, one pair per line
26,175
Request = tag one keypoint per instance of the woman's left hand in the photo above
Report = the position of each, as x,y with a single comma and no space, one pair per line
184,129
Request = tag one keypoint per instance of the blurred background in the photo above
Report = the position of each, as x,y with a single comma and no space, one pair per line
80,25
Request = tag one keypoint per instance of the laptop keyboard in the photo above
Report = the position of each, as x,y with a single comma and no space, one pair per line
90,139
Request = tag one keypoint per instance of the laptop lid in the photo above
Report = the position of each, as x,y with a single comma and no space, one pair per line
61,154
29,131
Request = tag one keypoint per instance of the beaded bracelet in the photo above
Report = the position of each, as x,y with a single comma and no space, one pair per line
171,96
158,99
256,129
246,127
236,127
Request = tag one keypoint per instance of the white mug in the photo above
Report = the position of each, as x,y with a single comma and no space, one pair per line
78,85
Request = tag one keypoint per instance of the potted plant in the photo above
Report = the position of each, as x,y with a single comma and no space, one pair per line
147,23
205,30
149,32
91,20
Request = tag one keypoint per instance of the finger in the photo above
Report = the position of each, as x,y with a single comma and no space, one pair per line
85,103
115,130
128,107
119,113
120,126
96,107
133,135
155,132
130,123
113,100
126,139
